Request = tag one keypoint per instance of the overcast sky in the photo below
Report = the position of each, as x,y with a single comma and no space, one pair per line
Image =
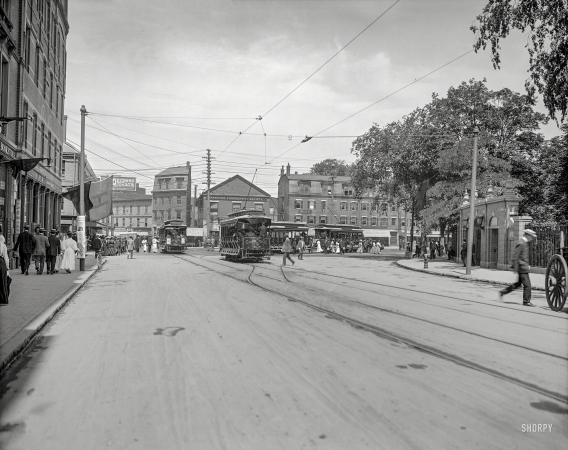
207,69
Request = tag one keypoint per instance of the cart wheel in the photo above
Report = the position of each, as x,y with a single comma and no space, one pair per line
555,282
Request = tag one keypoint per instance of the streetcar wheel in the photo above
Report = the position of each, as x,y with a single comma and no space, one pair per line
555,282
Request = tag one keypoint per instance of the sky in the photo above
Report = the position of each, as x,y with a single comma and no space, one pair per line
165,80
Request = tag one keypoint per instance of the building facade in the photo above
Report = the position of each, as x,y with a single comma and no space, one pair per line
234,194
319,199
70,178
171,196
32,91
131,211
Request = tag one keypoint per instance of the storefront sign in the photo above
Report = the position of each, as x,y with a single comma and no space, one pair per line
123,183
238,198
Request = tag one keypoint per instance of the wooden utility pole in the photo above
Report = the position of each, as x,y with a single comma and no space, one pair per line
188,202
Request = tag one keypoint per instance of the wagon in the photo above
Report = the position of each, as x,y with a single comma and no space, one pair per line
555,280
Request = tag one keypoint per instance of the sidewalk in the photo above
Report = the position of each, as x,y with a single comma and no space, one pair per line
457,270
34,300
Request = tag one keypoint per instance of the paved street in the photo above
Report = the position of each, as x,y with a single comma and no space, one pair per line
196,352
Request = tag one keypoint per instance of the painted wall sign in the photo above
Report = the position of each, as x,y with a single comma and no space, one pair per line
123,183
237,198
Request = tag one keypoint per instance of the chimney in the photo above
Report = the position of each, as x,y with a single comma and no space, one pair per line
288,169
282,171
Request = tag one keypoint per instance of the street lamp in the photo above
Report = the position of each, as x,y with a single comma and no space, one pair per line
472,204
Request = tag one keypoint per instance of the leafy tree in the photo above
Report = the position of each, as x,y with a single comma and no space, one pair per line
547,44
330,167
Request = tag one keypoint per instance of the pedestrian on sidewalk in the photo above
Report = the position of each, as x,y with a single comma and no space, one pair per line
61,237
301,246
463,252
96,245
69,248
52,251
286,250
520,262
5,279
41,245
130,248
25,244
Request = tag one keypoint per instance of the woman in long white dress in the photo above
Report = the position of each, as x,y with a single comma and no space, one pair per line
144,245
319,249
69,249
360,249
154,245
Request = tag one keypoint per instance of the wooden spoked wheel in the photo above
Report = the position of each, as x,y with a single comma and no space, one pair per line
555,282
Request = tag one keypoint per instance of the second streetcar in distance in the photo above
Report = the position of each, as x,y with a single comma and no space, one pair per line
245,236
279,231
172,236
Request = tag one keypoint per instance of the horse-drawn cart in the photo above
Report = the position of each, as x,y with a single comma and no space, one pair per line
555,281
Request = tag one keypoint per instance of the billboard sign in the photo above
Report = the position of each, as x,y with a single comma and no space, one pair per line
123,183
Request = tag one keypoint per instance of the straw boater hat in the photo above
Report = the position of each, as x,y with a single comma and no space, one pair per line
53,231
530,233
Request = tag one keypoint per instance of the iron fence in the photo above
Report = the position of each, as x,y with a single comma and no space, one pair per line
547,243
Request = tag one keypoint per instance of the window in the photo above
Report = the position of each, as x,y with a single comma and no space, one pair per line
393,207
364,206
363,221
49,144
403,222
323,219
236,206
37,65
298,218
146,222
312,219
138,209
353,220
146,209
3,91
25,126
343,220
34,137
304,188
259,206
178,200
323,205
343,206
138,221
160,185
155,200
311,204
167,182
383,222
169,199
373,221
393,221
374,207
298,203
179,183
348,192
42,137
63,168
123,221
55,156
51,90
353,206
45,78
178,214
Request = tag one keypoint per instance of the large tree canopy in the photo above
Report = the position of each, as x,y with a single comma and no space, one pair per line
547,44
330,167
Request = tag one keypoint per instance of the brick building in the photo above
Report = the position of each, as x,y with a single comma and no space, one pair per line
32,91
169,196
233,194
319,199
131,211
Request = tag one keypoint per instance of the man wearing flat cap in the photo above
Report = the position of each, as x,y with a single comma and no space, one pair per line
520,262
25,244
52,251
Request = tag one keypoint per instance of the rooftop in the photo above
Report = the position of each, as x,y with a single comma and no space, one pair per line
177,170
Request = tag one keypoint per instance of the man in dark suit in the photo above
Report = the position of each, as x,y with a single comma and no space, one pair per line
52,251
520,262
25,244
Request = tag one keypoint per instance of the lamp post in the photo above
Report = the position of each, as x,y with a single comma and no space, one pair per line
472,204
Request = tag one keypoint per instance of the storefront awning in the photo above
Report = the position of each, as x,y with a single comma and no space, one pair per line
376,233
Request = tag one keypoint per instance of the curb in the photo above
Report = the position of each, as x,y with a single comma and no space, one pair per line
464,277
43,321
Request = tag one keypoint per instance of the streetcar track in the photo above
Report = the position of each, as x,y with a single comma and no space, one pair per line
408,342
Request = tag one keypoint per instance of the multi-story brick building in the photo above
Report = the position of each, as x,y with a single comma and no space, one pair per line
169,196
319,199
131,211
32,91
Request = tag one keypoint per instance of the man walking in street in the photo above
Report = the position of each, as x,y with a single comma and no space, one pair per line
25,244
520,262
130,248
41,245
300,247
53,250
286,250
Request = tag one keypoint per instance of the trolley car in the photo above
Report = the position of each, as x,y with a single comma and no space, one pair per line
555,280
172,237
279,231
351,234
243,236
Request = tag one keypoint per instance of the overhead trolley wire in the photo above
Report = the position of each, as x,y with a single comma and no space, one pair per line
416,80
